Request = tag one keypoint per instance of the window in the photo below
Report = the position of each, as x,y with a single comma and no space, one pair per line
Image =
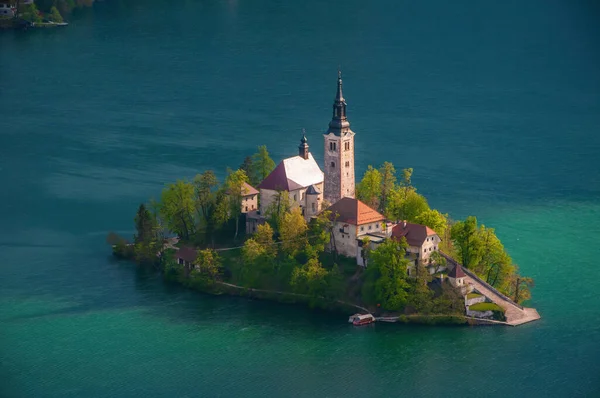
295,197
362,229
347,164
313,206
369,227
246,208
302,195
347,146
332,146
332,164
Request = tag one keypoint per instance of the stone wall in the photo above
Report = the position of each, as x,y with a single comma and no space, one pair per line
475,300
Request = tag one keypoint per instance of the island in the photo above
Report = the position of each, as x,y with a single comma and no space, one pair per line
23,14
295,233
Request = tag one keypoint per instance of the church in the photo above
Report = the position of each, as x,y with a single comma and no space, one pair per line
309,187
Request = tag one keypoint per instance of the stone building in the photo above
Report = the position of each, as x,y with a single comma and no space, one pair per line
422,241
249,198
339,152
354,221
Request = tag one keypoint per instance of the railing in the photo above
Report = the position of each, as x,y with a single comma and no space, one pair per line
478,279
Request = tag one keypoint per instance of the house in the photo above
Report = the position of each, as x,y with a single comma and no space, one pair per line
7,10
457,276
186,256
353,221
301,177
422,241
249,198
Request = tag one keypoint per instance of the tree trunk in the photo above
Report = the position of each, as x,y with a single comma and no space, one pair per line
237,227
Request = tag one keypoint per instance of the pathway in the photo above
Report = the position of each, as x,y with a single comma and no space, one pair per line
514,315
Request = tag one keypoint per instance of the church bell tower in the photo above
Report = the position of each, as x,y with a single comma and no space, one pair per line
339,152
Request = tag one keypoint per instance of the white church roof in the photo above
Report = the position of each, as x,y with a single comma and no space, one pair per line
294,173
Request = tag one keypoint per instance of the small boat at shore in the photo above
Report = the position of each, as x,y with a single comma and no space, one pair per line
361,319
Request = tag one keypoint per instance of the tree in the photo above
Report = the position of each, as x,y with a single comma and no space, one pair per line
277,209
406,205
465,237
495,265
234,183
437,261
366,250
178,207
264,236
205,186
30,13
292,232
55,15
369,188
208,263
310,279
145,225
434,220
406,178
387,274
248,166
420,293
388,182
323,228
262,165
521,288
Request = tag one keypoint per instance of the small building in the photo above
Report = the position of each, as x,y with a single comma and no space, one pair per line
186,256
457,276
253,220
422,241
7,10
354,220
249,198
301,177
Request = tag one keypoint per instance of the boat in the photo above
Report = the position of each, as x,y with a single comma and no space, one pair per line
361,319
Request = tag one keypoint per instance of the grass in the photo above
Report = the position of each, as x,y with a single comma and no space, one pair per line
473,295
486,307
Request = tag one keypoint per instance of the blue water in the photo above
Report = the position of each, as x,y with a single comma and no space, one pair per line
495,105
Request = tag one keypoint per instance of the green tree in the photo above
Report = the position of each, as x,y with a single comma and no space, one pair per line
437,261
177,208
420,297
310,279
205,187
208,264
495,265
434,220
234,183
406,205
387,275
55,15
369,188
264,236
388,182
145,225
220,215
248,166
262,165
520,288
467,241
278,209
30,13
292,232
406,178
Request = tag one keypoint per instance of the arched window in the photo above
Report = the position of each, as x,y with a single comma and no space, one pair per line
332,164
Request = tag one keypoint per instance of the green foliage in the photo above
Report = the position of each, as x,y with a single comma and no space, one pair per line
248,167
450,301
310,279
473,295
467,241
486,307
369,188
276,211
234,183
388,182
420,298
406,204
205,187
434,220
145,225
386,283
30,13
437,261
262,165
292,232
177,208
208,265
55,15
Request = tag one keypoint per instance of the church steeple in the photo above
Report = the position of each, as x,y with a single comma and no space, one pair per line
339,120
303,147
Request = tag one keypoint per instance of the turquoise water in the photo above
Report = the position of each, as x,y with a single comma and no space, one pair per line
495,105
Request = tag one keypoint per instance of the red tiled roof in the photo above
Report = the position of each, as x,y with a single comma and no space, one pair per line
355,212
415,234
248,190
457,272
